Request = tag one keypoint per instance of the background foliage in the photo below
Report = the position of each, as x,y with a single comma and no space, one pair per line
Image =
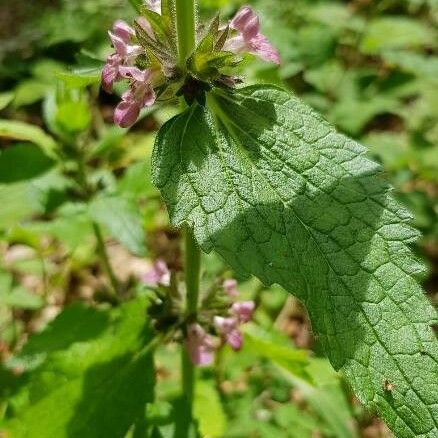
370,67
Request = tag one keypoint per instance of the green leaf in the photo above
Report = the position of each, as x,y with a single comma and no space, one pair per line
279,194
109,140
297,422
23,131
208,410
137,182
76,323
353,114
277,349
5,99
23,162
15,199
121,217
20,298
81,77
31,91
17,297
74,116
72,227
395,33
96,380
319,385
415,63
136,4
325,397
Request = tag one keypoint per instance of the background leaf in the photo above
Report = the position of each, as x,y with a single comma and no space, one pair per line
208,410
22,131
22,162
121,217
94,383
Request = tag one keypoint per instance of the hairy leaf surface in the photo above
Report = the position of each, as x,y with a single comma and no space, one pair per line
275,190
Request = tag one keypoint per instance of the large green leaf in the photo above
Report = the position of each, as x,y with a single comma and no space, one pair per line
275,190
94,379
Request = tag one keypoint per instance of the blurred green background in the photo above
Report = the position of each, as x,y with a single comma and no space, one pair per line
370,67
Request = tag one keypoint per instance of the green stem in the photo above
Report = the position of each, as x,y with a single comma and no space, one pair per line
87,193
192,277
186,33
192,273
105,260
185,28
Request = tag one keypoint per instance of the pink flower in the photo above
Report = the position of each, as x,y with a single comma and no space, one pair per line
125,54
119,66
123,30
158,274
243,311
154,5
230,287
110,72
247,23
199,345
228,329
141,94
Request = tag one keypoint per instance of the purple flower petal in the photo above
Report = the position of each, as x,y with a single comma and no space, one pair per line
126,51
249,39
230,287
224,325
264,49
246,22
154,5
228,329
134,73
158,274
123,30
199,345
110,72
126,113
236,45
120,46
235,339
243,310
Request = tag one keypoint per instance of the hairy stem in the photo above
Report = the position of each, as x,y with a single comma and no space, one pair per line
192,273
186,32
186,28
192,276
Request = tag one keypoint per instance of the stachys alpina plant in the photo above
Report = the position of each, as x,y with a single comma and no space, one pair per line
259,177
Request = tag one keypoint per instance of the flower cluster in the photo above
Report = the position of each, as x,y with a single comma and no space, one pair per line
201,345
249,38
218,324
145,55
121,65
